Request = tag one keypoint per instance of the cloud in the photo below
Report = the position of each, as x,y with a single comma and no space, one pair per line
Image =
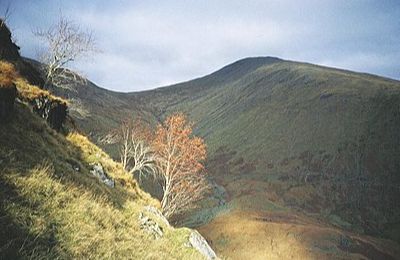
147,44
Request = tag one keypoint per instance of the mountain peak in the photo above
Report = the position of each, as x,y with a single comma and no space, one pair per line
248,64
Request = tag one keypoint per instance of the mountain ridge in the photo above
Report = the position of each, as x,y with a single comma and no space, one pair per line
282,137
253,62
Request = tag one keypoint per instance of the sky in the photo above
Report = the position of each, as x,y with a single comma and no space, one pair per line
148,44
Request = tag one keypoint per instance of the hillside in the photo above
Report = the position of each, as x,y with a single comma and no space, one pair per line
52,206
284,136
62,197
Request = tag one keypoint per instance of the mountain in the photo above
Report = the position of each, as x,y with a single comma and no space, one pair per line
289,143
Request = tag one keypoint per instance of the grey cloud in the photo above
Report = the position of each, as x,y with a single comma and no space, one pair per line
151,43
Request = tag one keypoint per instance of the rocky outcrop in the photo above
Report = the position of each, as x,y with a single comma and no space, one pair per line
7,98
150,226
9,51
157,213
54,111
98,172
196,240
150,219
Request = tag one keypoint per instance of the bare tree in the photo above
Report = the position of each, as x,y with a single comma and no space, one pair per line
179,159
65,43
6,15
136,155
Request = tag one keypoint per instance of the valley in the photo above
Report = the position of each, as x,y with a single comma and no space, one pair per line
274,144
282,136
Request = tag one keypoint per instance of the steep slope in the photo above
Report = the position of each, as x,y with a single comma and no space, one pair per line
287,137
53,207
61,196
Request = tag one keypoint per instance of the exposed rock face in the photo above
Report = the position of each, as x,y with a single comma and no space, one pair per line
9,51
151,226
57,115
98,172
197,241
149,220
7,98
54,111
157,213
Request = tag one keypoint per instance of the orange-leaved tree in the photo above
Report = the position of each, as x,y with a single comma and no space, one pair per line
179,160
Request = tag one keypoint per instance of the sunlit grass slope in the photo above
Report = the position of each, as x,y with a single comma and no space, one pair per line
52,207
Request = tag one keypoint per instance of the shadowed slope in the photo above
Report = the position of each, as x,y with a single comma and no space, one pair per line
307,138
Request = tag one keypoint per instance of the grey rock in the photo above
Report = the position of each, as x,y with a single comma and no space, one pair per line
98,172
198,242
157,213
150,226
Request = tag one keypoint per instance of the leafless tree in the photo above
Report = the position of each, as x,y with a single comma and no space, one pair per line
6,15
136,155
65,43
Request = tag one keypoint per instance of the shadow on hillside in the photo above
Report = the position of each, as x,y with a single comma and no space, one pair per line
29,141
15,238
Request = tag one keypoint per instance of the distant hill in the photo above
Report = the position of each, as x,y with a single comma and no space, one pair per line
320,141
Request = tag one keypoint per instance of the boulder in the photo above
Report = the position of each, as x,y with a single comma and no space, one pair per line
197,241
157,213
149,220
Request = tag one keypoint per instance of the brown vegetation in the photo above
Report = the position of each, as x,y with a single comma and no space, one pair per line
8,74
180,157
288,235
170,154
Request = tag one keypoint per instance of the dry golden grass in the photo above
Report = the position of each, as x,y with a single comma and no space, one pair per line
70,223
286,235
91,153
238,236
49,210
8,74
28,92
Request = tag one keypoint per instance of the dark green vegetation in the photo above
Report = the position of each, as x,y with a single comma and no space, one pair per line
321,141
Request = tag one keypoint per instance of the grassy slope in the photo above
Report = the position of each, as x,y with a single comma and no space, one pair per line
299,136
50,210
282,121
